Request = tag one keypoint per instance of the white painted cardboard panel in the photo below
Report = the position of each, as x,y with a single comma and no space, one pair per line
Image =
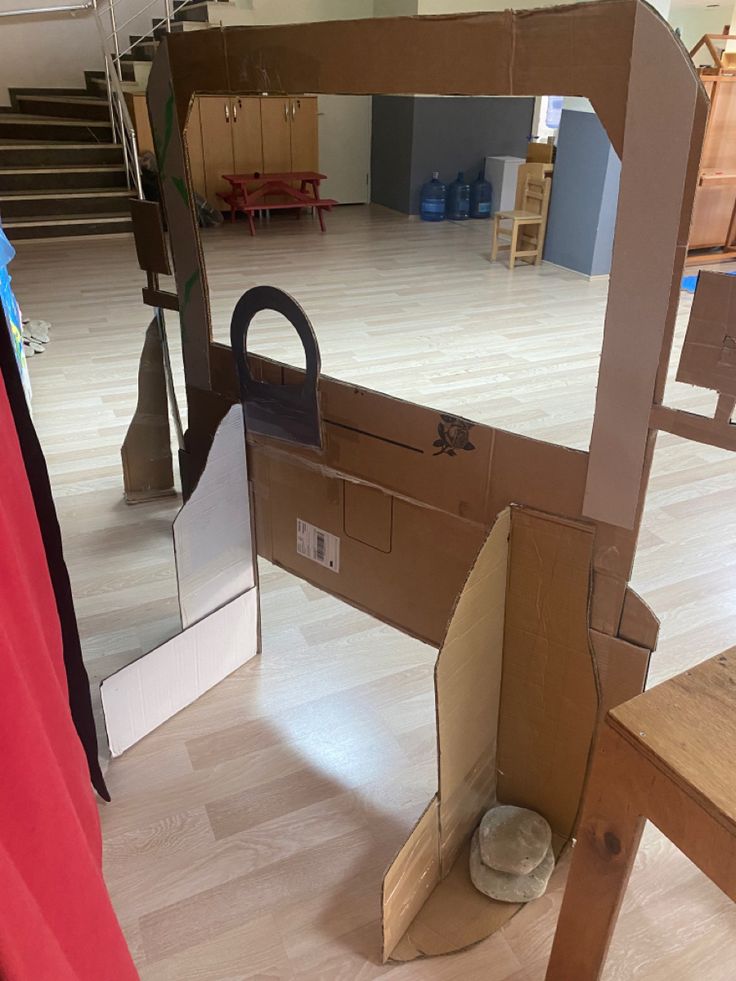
143,695
212,532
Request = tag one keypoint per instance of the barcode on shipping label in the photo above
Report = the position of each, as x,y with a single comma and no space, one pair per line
318,545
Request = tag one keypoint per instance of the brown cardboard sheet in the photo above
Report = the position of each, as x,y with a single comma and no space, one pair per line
148,232
708,356
406,572
549,692
638,624
146,449
468,692
412,877
648,256
517,707
622,669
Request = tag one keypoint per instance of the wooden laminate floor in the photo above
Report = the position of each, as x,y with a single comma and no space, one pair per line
248,836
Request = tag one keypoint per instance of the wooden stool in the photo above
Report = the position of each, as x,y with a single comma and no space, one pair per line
666,756
531,213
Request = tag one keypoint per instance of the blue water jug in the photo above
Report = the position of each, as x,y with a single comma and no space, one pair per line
458,199
480,198
432,204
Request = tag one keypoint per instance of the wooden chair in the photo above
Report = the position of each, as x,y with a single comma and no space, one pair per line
529,220
666,756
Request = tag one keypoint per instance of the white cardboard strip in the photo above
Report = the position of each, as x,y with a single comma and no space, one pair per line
212,532
144,694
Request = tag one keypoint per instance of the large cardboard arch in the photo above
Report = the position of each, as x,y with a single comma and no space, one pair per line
410,494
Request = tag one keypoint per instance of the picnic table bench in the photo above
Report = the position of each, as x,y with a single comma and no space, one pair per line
256,192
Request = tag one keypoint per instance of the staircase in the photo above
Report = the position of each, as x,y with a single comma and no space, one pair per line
61,173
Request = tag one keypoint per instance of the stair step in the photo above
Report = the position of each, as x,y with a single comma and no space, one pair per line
32,128
136,72
63,177
180,27
143,51
53,226
39,154
29,204
86,107
214,12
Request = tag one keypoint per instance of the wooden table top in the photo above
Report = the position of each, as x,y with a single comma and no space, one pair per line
687,728
296,175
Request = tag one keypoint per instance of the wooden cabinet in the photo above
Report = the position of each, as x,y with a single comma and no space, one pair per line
249,134
276,134
223,137
304,142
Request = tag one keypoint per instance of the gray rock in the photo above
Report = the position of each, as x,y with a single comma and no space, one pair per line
513,839
509,888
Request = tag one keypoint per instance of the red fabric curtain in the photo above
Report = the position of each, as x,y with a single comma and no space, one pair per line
56,919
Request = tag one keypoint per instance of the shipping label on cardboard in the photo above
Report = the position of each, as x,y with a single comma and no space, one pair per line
318,545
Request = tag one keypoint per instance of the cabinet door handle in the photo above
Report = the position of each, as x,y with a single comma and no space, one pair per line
235,112
286,113
293,110
227,113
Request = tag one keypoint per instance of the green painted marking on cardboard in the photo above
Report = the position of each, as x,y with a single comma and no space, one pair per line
188,287
181,187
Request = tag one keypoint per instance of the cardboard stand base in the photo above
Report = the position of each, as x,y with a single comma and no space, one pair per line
218,596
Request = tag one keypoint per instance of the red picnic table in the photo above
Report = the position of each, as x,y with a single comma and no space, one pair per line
252,192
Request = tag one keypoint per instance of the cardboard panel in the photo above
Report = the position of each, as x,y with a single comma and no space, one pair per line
647,266
218,597
468,690
368,515
413,586
639,625
146,451
606,602
148,232
178,202
212,532
286,410
411,878
708,356
144,694
622,669
549,694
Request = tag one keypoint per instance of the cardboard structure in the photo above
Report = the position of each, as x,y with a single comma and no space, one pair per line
511,555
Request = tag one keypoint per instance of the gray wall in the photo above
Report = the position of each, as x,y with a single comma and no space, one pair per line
391,145
452,134
413,136
582,211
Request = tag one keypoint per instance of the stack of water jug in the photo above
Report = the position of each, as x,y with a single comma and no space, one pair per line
458,201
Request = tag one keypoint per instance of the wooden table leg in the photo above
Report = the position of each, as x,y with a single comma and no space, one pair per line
315,191
607,841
